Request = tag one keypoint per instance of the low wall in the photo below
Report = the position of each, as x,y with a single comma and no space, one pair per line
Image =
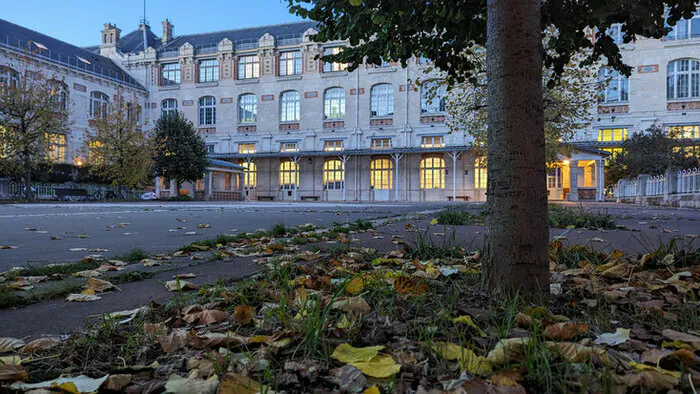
673,200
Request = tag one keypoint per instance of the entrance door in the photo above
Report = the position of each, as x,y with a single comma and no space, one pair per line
381,172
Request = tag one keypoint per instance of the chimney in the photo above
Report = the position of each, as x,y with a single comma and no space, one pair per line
167,31
110,35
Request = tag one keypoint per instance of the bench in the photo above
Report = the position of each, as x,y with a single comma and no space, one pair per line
304,198
463,198
71,194
266,198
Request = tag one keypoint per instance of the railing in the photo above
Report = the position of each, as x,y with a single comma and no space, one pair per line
689,181
656,186
167,54
47,191
626,188
66,60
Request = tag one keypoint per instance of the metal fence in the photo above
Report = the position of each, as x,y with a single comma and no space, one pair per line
689,181
626,188
656,186
47,191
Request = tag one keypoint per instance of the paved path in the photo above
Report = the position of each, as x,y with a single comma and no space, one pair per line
155,227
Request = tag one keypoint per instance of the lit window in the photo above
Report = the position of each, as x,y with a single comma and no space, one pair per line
333,175
334,103
247,108
380,144
170,74
333,146
432,173
289,175
554,179
289,107
56,144
382,100
59,95
332,67
246,149
290,63
207,111
613,152
289,147
613,87
684,132
683,79
250,174
685,29
432,141
9,78
610,135
95,151
381,174
168,107
248,67
99,103
208,70
480,173
432,97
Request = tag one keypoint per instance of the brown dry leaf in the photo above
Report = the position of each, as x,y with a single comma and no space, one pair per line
212,316
179,385
204,225
352,305
12,373
243,314
99,285
82,297
617,271
10,344
177,340
677,359
650,380
38,345
218,339
577,353
524,321
175,285
233,383
355,285
88,273
479,386
154,328
116,382
508,350
691,340
565,331
410,286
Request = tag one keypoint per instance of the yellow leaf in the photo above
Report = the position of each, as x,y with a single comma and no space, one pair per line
88,291
372,390
468,360
466,319
348,354
69,387
355,285
434,222
644,367
381,366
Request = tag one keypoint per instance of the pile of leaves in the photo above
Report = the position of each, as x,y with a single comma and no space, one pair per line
351,319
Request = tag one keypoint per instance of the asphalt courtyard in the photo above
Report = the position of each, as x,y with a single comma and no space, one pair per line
40,234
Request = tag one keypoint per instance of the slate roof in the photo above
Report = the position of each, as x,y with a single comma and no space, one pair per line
133,42
250,35
17,37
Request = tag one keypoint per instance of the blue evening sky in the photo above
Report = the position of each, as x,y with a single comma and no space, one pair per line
79,22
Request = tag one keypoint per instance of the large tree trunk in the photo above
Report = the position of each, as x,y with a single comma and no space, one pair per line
516,244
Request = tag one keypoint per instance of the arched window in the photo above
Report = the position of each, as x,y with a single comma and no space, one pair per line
432,97
99,103
480,173
432,173
8,78
289,107
334,103
247,108
207,111
250,174
333,175
168,107
382,100
289,175
613,87
381,174
683,79
59,95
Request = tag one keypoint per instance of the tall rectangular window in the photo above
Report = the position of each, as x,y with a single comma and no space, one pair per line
290,63
432,173
480,173
56,147
207,111
290,110
249,67
208,70
332,67
170,74
333,175
289,175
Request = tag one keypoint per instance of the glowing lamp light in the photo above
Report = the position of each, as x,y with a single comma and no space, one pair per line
79,162
566,162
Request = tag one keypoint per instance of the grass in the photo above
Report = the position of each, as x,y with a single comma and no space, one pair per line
9,298
52,269
128,277
453,217
560,217
425,248
134,256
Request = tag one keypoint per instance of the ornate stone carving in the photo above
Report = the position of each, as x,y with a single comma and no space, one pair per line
338,124
432,119
613,109
381,122
289,126
683,105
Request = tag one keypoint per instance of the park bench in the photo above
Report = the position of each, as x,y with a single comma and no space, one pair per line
71,194
266,198
463,198
315,198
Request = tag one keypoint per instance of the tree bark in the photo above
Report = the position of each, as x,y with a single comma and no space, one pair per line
517,233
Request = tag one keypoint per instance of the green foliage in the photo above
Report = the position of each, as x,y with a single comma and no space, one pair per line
134,256
48,270
128,277
180,152
652,153
10,299
278,230
453,217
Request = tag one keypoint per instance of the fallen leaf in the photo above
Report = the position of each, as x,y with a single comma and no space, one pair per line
77,385
372,390
99,285
577,353
38,345
175,341
508,350
175,285
565,331
352,305
7,247
210,317
117,382
233,383
621,335
179,385
243,314
468,360
410,286
467,320
381,366
691,340
82,297
10,344
12,373
88,273
355,285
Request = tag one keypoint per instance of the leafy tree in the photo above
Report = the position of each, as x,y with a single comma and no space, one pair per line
180,152
447,32
30,113
651,152
116,146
